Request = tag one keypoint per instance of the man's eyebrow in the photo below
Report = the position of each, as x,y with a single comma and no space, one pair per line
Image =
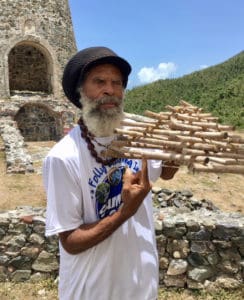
98,78
101,77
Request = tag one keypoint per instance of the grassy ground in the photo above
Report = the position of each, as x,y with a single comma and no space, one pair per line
48,290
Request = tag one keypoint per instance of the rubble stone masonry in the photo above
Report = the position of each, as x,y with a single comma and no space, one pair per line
197,249
36,41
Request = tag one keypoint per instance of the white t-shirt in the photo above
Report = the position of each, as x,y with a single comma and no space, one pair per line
79,190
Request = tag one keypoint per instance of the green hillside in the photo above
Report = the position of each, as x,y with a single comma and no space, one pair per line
218,89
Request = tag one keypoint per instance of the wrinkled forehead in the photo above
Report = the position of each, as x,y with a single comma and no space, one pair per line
104,71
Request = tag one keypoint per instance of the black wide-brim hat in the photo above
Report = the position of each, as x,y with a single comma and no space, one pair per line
82,62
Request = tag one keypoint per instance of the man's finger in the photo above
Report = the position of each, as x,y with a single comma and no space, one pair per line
127,176
144,172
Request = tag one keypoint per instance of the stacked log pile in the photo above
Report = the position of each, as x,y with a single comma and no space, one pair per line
184,135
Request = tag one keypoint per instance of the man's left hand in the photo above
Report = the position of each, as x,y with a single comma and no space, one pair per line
168,170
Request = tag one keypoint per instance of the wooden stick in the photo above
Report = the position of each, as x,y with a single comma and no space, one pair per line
127,122
157,116
235,139
227,155
211,134
183,134
226,127
190,139
177,125
159,155
136,144
206,125
235,156
194,152
156,142
185,103
174,109
128,132
170,133
139,118
202,115
113,153
205,147
205,116
217,169
134,128
193,118
226,161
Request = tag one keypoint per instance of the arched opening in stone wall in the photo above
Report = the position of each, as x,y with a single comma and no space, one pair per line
29,69
37,122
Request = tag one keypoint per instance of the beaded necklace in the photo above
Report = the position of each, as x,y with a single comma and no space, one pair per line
89,137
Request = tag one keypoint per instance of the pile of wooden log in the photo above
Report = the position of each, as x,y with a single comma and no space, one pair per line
184,135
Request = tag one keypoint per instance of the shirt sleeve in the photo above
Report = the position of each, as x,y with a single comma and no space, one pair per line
64,203
154,169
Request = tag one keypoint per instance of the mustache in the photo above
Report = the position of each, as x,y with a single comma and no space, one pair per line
95,104
108,99
92,107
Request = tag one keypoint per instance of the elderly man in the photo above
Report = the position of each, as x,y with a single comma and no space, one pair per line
101,208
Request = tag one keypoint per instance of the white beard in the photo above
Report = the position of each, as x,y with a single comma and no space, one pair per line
101,123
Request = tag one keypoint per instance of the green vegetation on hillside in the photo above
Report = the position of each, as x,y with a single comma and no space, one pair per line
218,89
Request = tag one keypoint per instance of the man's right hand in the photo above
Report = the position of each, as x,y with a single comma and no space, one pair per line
135,188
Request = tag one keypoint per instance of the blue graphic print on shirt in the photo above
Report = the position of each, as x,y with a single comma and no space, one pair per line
107,184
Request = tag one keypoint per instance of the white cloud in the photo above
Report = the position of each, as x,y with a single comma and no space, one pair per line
203,67
162,71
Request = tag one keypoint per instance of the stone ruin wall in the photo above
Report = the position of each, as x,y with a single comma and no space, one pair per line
199,247
36,41
17,126
43,27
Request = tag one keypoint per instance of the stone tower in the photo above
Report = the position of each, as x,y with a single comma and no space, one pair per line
36,41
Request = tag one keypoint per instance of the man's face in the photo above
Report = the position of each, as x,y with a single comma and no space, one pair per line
102,99
103,80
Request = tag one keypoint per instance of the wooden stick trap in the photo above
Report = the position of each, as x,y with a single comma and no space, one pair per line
184,135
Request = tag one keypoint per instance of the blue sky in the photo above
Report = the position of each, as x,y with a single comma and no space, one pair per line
161,38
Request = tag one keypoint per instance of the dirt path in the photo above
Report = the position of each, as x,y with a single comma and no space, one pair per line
226,191
19,189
